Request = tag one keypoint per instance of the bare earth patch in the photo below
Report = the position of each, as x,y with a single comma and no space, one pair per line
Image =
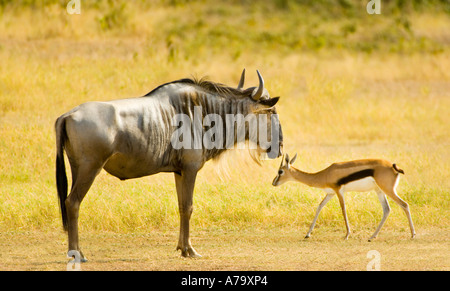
230,250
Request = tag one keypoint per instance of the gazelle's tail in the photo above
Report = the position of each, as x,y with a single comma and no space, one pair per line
398,169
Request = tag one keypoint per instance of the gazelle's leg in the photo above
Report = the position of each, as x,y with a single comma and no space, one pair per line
321,205
391,192
405,207
340,194
386,210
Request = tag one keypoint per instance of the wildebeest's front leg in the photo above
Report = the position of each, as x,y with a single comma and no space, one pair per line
185,189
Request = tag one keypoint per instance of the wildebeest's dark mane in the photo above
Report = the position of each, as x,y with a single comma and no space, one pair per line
211,87
221,89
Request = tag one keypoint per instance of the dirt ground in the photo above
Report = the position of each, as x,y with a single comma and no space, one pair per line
232,250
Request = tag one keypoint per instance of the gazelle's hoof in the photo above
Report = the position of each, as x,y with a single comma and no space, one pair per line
371,238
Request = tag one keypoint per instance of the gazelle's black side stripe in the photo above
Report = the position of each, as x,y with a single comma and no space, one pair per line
355,176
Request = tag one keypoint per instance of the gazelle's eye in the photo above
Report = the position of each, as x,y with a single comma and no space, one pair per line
280,172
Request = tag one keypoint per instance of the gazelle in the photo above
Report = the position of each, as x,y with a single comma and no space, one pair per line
359,175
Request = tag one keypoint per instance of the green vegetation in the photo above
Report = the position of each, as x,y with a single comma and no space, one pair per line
192,28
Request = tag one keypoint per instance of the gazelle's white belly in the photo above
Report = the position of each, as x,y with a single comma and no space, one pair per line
362,185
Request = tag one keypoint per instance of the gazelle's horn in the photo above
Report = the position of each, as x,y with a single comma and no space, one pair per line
241,82
260,90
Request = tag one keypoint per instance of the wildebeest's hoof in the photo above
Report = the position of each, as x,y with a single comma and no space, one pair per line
189,252
77,256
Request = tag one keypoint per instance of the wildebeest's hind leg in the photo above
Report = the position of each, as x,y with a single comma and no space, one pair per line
83,177
185,189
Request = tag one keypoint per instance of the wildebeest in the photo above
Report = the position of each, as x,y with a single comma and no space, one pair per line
132,138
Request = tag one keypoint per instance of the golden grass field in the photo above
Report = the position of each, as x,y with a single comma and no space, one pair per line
352,86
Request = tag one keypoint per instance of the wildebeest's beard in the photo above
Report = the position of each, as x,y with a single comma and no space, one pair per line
276,143
213,132
270,136
263,137
213,118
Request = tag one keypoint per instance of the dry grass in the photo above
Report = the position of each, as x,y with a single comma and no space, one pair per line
271,249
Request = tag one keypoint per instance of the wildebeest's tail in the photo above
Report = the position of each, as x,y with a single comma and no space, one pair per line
398,169
61,177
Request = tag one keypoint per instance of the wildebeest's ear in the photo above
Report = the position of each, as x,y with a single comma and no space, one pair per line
269,103
263,105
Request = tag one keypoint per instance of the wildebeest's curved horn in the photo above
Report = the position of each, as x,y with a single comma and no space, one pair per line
260,90
241,82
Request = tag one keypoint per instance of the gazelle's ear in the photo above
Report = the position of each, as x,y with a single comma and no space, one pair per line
287,160
293,159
